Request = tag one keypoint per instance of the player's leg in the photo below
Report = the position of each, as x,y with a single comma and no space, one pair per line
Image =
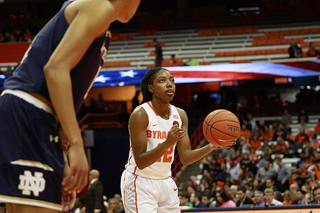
168,196
18,208
31,157
138,194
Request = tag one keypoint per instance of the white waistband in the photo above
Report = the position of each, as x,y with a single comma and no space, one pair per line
28,98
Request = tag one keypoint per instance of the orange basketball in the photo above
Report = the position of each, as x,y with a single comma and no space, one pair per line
221,128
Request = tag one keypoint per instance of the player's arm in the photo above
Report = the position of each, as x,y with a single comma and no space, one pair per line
88,23
138,123
188,156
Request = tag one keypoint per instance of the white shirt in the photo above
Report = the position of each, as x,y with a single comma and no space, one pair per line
157,131
275,202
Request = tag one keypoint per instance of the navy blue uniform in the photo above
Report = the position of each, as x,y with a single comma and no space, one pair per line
31,155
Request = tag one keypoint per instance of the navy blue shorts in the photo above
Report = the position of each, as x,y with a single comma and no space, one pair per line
31,155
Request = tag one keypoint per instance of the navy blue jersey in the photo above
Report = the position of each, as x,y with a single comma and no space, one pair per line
29,74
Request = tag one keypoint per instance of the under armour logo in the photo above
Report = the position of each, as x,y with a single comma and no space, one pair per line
29,183
54,139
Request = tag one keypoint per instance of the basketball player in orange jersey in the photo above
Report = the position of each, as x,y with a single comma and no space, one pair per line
47,89
155,128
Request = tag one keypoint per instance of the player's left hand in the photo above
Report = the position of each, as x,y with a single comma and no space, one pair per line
77,179
68,200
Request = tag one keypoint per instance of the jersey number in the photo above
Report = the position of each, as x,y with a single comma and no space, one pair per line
167,157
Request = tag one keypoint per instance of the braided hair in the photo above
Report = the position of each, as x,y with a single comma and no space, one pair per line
147,80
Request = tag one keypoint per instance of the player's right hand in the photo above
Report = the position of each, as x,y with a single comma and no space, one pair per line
77,179
175,134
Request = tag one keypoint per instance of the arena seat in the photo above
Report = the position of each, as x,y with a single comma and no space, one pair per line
211,46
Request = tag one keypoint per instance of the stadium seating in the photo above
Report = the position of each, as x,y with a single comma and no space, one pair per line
238,45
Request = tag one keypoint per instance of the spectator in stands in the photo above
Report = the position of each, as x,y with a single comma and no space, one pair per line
261,125
270,185
289,137
244,144
314,142
243,199
251,123
255,143
173,60
27,36
301,198
286,117
239,155
223,174
316,156
280,132
287,198
294,50
158,53
309,183
100,104
280,147
307,149
195,199
313,51
234,172
293,187
206,200
269,195
266,157
259,200
316,195
283,175
278,196
267,134
317,128
233,190
301,138
253,156
224,200
184,200
190,190
292,151
303,115
264,173
255,186
220,160
113,205
257,131
248,167
249,193
245,132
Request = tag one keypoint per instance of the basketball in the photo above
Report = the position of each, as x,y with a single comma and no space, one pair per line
221,128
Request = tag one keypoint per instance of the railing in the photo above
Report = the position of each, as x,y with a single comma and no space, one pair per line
99,120
195,139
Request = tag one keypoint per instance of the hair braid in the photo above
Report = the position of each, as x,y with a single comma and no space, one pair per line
147,80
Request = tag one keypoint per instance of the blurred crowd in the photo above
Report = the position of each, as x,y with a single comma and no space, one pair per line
15,36
269,165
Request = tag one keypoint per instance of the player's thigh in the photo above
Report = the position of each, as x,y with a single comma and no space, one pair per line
168,199
19,208
138,194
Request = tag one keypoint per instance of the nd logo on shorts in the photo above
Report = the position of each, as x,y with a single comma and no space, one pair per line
30,183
